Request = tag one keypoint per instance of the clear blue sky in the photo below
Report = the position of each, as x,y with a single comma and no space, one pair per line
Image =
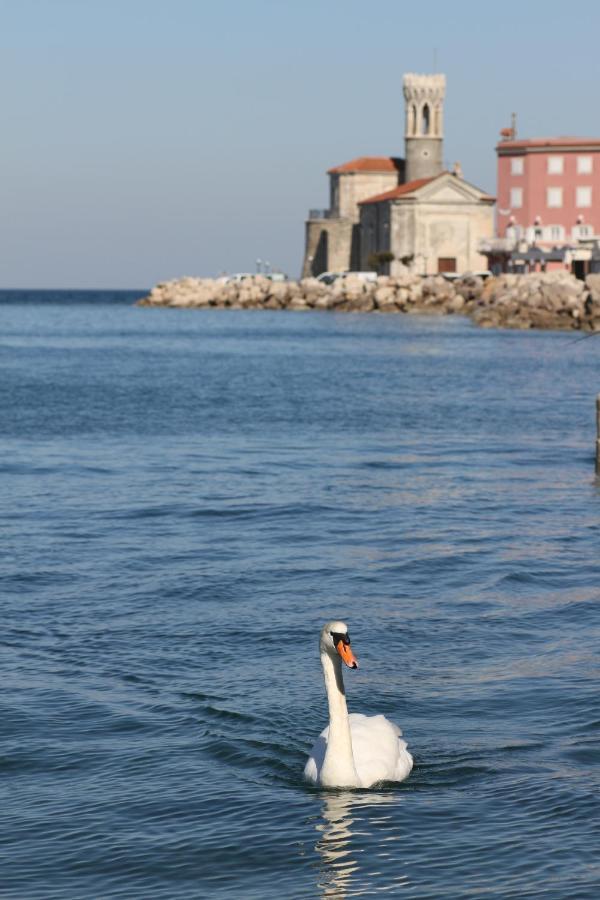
146,139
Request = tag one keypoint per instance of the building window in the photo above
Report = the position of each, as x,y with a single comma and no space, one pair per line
516,165
554,197
584,165
425,120
583,196
554,233
516,198
582,231
555,165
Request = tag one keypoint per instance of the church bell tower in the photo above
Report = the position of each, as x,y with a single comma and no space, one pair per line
424,133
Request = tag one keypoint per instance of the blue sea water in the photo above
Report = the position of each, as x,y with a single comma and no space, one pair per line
186,496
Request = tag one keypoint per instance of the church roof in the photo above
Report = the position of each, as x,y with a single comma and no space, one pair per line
399,191
368,164
404,190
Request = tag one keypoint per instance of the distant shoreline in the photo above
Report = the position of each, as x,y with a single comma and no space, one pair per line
71,295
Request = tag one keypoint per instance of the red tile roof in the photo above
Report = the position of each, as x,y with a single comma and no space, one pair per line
368,164
400,191
551,142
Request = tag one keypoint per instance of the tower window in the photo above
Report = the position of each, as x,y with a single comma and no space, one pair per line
425,120
516,198
516,165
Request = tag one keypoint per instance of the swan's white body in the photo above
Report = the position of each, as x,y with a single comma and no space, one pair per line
354,750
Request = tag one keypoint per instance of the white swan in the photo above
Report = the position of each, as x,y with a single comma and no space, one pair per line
354,750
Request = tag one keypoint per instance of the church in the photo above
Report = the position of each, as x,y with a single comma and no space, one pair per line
386,212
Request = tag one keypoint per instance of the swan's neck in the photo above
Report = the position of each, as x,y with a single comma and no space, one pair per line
338,766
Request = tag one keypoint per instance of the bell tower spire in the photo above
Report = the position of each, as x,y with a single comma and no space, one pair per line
424,132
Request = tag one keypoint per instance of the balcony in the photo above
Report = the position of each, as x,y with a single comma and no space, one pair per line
321,214
496,245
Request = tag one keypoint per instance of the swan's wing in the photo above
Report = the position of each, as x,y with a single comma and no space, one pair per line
314,763
380,753
404,764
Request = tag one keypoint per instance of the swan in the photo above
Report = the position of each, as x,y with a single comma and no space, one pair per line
354,751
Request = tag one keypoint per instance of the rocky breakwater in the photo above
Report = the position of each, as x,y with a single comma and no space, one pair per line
554,300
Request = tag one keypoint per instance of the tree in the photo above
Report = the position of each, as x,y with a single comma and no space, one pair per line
377,261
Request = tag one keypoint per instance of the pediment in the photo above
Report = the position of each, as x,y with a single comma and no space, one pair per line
446,192
450,189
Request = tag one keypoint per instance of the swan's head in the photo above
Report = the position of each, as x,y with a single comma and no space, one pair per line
336,640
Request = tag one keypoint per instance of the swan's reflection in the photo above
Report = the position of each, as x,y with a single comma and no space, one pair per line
335,845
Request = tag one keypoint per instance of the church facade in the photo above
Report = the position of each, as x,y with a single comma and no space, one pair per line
388,212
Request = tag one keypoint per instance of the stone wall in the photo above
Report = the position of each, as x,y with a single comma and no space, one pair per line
375,231
553,300
357,186
333,244
430,230
328,246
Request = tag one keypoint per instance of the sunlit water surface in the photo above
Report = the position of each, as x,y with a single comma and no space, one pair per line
187,495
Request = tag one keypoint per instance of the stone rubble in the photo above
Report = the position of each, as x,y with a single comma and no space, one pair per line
553,300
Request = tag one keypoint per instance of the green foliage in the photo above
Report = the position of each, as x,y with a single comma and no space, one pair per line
376,261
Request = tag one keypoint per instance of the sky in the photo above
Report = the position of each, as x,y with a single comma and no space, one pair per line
144,140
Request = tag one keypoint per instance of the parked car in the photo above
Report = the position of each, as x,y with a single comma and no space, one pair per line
330,277
364,276
454,276
238,276
276,276
241,276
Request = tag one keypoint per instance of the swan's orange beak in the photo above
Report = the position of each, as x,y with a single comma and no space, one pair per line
347,655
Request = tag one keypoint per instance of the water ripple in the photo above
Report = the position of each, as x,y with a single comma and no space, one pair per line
183,505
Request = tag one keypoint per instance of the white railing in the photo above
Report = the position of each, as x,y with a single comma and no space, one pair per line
496,245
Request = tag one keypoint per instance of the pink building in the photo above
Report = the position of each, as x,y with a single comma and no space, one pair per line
548,191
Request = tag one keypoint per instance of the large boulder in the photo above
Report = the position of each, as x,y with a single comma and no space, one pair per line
279,291
385,298
297,303
436,291
592,282
353,288
361,303
457,304
324,301
469,287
